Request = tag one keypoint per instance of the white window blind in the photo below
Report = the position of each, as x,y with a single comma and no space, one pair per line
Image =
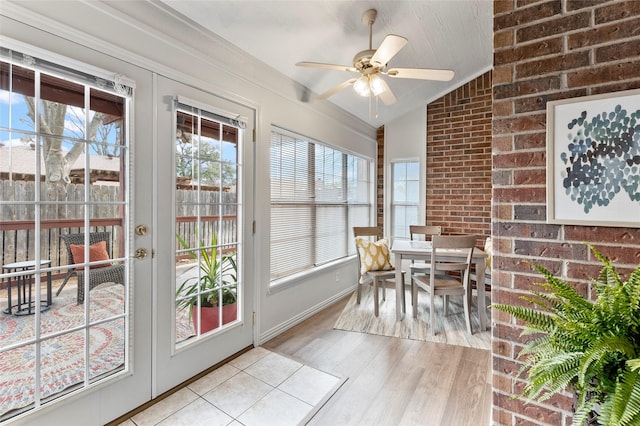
318,193
405,197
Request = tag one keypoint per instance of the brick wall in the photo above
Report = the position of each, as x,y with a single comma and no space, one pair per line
459,159
547,50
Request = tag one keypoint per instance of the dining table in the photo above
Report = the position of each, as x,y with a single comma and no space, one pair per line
421,250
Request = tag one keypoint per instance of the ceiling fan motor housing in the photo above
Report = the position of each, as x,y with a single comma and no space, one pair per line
361,61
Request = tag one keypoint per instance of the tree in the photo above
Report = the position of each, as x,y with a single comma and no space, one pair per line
190,154
53,121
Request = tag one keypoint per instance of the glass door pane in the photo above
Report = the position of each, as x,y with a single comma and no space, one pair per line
206,205
64,288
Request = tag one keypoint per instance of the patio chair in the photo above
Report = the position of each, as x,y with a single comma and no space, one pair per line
98,274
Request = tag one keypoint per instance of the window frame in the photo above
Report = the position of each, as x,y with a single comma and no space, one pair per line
361,184
393,204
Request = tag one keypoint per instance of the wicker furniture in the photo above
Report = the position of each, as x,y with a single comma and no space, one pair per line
97,276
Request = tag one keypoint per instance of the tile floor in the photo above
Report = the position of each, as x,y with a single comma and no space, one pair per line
258,388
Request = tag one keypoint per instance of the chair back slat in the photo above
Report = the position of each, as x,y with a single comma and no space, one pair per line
458,242
367,231
426,231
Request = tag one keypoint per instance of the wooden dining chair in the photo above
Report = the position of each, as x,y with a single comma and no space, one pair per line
488,249
422,233
446,284
374,263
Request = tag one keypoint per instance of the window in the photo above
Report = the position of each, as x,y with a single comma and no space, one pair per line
318,194
207,210
405,197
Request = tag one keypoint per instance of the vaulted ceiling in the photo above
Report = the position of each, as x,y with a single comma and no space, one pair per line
442,34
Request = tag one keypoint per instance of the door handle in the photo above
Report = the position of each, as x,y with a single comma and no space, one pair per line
140,253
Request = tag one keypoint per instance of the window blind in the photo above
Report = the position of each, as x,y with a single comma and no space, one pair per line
46,62
318,193
405,197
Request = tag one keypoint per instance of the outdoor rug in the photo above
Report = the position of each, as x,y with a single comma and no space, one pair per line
62,357
450,329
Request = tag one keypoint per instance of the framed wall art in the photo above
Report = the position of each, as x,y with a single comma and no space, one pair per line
593,160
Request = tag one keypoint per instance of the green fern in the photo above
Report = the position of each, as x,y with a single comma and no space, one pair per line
592,347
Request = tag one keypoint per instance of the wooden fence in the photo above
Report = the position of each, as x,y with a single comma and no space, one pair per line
62,212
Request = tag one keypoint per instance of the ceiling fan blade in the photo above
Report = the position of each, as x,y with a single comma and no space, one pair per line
387,96
421,74
336,89
326,66
387,50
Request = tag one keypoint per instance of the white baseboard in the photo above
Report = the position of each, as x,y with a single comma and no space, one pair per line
282,327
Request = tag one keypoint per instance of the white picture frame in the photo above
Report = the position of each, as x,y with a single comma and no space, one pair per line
593,160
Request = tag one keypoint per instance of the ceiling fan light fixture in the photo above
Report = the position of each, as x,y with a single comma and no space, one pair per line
361,86
376,84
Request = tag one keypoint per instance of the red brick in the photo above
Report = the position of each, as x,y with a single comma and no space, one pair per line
526,230
502,143
552,27
552,65
519,160
502,6
525,15
531,141
529,177
553,250
519,124
503,39
605,235
539,102
583,4
604,34
617,11
527,87
502,383
526,52
531,410
619,51
501,418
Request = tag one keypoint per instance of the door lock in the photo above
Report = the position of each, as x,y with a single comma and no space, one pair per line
141,230
140,254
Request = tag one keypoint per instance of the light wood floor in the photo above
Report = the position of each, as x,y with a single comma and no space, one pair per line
391,381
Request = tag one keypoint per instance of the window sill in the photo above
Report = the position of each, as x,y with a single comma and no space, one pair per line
293,280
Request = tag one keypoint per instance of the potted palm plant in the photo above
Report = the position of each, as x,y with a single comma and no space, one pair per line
591,347
210,291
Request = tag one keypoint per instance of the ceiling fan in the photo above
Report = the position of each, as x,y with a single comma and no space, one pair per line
372,63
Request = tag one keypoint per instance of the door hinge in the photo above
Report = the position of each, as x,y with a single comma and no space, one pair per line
254,318
253,227
254,135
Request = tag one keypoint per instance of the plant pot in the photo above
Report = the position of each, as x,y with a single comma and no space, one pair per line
210,316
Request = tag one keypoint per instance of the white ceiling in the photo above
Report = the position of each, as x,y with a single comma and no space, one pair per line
444,34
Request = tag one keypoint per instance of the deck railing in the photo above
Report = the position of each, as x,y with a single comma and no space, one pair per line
17,238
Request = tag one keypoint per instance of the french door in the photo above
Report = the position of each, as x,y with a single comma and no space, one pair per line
75,338
96,203
203,180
